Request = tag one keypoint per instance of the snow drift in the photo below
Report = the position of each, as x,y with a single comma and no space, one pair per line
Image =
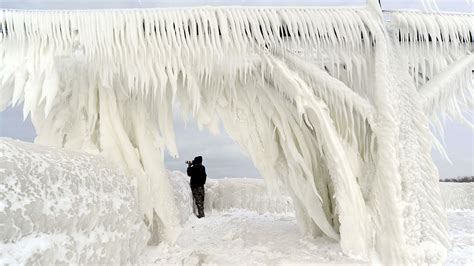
229,193
58,206
253,195
244,193
457,195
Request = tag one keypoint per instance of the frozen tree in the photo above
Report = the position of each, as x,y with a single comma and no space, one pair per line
331,104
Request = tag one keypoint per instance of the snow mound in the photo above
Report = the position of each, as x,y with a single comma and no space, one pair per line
229,193
244,193
457,195
59,206
251,194
182,194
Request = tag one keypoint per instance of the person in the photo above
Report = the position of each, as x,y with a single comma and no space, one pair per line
197,172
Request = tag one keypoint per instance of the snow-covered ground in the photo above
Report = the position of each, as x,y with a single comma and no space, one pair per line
246,237
63,206
461,230
233,234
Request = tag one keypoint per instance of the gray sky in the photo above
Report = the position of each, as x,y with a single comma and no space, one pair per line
222,156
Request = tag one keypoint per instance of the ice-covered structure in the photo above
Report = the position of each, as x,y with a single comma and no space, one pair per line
332,104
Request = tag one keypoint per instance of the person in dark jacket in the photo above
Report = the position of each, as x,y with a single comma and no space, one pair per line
197,172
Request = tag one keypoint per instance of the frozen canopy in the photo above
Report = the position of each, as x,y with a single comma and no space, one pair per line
332,105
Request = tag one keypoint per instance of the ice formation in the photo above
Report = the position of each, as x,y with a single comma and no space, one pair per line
229,193
331,104
457,196
59,206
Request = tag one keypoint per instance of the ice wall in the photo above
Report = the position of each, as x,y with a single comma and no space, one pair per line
59,206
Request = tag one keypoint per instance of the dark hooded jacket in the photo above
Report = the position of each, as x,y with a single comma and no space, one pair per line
197,172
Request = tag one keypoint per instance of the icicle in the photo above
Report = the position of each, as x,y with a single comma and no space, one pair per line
21,77
50,89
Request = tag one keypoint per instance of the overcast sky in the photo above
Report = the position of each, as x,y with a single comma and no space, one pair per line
222,156
446,5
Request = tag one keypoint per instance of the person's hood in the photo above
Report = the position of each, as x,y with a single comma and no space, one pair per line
197,160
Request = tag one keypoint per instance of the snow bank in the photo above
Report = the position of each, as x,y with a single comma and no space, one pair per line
457,195
229,193
251,194
244,193
59,206
182,194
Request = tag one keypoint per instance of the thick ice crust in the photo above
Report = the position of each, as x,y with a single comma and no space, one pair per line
58,206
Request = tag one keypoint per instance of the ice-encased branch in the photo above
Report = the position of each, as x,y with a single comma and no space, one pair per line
451,90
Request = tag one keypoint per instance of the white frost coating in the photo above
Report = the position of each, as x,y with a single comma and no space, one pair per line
332,105
440,62
441,57
439,91
58,206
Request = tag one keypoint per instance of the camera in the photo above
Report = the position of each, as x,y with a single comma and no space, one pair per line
189,162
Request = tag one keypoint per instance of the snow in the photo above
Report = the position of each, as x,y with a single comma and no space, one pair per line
236,233
461,231
245,237
457,196
244,193
182,195
85,211
333,106
59,206
243,223
228,194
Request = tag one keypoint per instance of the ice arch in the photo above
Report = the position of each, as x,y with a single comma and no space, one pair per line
330,103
